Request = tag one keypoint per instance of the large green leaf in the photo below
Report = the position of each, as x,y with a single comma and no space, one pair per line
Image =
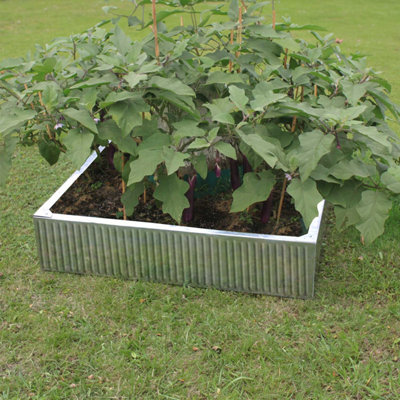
353,91
88,98
269,149
81,116
49,151
264,96
173,159
171,192
238,97
128,114
133,78
78,143
109,130
50,95
345,169
187,128
96,81
220,110
346,216
200,165
256,187
306,198
130,199
173,85
373,133
391,179
144,165
121,41
185,103
226,149
373,209
223,78
14,118
313,145
115,97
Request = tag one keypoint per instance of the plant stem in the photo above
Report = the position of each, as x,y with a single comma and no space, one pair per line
246,165
235,178
278,216
266,209
10,91
157,49
123,182
244,6
110,155
188,212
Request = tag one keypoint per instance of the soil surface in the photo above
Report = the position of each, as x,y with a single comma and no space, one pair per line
97,193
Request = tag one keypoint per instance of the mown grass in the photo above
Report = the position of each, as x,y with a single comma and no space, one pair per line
80,337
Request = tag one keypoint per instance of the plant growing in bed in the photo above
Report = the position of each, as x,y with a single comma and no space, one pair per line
283,115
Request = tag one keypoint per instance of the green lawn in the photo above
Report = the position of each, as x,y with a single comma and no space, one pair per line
79,337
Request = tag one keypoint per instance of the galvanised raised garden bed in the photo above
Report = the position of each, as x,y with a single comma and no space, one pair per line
245,262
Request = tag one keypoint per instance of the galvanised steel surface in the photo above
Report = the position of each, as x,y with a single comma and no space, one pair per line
268,264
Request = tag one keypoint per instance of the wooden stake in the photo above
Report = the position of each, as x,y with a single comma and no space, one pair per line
144,197
273,14
315,90
239,35
123,182
239,32
26,88
285,59
181,20
293,124
157,49
231,42
40,99
49,132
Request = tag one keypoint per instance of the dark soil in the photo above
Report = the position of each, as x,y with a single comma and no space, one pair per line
97,193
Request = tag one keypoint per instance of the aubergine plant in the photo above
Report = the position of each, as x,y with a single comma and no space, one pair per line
299,117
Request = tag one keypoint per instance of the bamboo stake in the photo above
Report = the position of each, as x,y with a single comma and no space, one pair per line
26,88
285,59
181,20
40,99
231,42
315,90
157,49
239,32
123,182
273,14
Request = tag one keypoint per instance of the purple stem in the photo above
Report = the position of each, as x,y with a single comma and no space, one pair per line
188,212
110,155
266,210
246,165
235,178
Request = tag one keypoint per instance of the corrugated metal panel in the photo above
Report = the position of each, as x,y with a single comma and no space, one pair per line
254,265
